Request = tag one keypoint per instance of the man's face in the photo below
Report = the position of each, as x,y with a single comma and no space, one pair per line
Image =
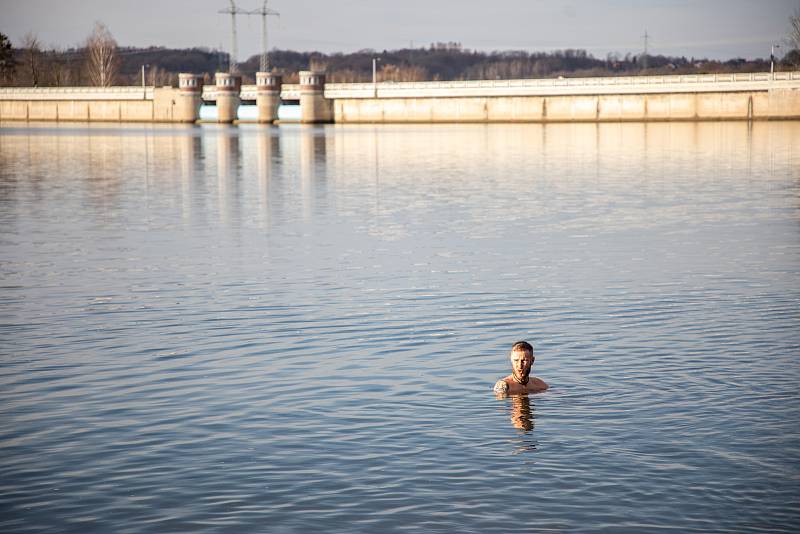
521,363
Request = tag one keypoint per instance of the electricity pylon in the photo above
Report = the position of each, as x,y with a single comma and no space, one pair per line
264,12
233,11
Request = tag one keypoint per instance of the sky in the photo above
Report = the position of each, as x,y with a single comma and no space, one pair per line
715,29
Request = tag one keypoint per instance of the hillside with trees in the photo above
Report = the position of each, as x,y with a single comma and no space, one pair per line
101,62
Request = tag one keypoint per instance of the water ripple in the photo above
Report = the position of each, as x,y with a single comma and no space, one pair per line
284,329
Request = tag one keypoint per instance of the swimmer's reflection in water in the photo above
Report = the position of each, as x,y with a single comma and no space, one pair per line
521,412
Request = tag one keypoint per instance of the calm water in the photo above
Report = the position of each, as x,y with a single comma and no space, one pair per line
277,329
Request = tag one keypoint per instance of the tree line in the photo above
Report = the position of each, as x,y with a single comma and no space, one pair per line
101,62
452,62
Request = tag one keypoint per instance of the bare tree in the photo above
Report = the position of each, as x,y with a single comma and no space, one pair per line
792,57
101,56
59,66
317,64
159,76
402,73
33,57
794,33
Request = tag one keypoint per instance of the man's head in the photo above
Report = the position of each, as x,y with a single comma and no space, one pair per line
521,360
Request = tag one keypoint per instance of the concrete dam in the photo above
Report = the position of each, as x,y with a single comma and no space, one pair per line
739,96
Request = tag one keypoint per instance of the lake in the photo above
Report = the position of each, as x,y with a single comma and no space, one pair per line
278,329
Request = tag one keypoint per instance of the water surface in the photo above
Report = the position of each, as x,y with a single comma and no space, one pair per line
273,329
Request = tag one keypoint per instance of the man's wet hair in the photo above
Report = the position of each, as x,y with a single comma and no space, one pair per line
522,346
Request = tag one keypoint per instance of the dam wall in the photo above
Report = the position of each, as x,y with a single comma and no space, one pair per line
748,96
91,104
740,96
751,105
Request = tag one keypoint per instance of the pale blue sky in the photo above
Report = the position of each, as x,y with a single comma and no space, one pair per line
719,29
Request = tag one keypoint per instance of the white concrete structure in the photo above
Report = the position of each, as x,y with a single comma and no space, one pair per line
190,87
742,96
228,87
89,104
268,96
314,107
749,96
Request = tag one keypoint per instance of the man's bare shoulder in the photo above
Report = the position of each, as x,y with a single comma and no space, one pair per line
537,384
501,387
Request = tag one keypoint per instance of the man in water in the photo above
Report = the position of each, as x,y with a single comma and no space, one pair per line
520,381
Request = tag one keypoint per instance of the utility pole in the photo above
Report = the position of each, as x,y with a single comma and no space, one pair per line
772,60
233,11
375,76
644,57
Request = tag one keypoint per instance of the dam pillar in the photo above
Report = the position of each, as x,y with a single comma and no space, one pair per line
268,96
190,91
228,88
313,105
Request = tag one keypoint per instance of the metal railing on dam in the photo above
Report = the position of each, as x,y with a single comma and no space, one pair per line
568,86
679,83
77,93
688,83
